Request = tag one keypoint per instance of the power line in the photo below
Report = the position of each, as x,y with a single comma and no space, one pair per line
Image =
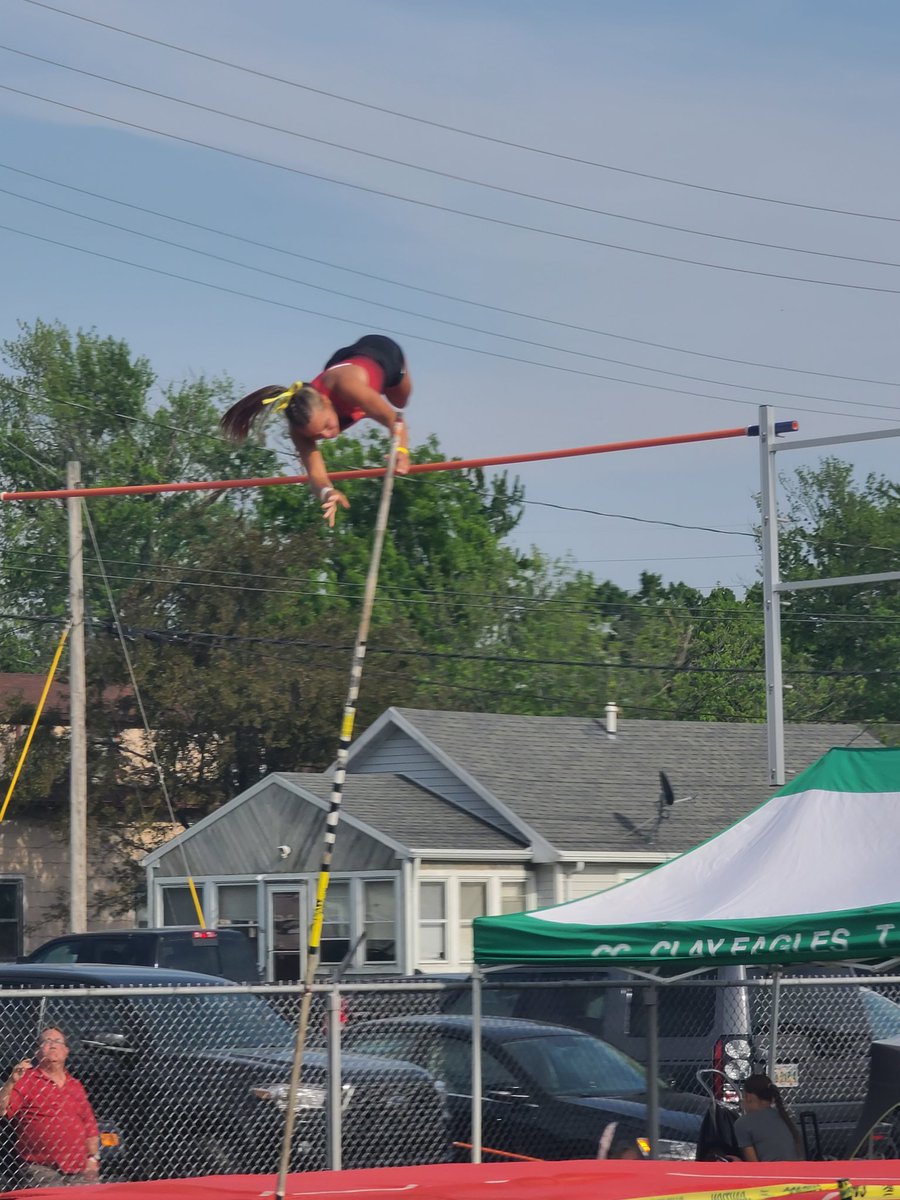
211,640
433,206
642,520
524,341
481,183
402,333
744,362
468,132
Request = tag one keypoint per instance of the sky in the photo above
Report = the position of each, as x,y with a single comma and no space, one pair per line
494,185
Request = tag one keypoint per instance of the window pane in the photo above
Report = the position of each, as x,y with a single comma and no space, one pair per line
466,944
432,943
336,918
10,919
178,905
237,904
336,923
512,896
472,900
380,908
9,901
431,901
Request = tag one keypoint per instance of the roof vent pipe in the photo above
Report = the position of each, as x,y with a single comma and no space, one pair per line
612,719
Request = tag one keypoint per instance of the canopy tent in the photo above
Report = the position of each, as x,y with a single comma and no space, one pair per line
811,875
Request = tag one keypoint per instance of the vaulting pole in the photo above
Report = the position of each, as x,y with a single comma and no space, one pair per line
331,821
456,464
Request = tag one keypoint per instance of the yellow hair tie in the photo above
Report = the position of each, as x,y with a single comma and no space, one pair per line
283,399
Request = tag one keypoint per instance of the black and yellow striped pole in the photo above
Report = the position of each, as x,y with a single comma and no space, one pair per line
334,810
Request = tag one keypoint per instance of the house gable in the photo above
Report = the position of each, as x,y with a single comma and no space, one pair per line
250,840
392,745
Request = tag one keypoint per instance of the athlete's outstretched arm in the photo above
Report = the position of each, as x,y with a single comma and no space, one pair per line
314,465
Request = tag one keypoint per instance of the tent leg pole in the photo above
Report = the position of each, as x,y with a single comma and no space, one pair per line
651,999
476,1066
773,1022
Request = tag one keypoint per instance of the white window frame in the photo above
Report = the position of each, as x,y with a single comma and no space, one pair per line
210,885
451,879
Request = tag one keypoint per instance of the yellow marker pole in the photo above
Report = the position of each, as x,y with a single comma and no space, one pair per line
331,820
37,716
198,907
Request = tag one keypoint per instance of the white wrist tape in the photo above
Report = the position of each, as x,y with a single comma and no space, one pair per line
325,493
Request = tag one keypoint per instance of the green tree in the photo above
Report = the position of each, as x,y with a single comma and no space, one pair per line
838,526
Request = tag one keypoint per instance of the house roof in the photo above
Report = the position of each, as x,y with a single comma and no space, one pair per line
408,814
581,789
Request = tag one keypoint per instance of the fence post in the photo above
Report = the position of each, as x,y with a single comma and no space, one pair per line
476,1065
651,1000
773,1022
335,1089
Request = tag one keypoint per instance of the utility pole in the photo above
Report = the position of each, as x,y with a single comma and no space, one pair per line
78,867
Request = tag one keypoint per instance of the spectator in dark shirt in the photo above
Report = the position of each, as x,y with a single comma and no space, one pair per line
765,1133
57,1139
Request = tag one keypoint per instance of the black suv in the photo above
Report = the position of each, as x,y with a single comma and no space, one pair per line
228,953
196,1084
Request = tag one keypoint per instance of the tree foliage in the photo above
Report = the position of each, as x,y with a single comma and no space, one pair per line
239,609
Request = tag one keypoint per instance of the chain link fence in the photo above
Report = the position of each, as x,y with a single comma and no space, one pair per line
515,1064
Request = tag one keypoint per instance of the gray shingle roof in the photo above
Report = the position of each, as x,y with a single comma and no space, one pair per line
409,814
579,788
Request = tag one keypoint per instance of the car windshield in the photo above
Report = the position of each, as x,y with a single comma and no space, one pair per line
223,1022
883,1014
180,1024
570,1065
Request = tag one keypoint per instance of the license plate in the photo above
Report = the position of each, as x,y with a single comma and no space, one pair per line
787,1075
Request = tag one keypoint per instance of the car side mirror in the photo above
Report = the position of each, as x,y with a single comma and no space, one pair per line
107,1041
511,1095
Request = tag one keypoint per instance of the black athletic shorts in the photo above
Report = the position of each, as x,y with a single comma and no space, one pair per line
380,349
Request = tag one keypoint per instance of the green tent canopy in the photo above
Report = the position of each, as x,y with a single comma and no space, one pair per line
811,875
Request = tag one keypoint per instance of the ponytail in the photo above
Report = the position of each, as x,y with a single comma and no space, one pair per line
297,402
763,1087
240,418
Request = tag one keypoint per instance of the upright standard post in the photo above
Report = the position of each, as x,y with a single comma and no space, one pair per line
331,821
477,1074
335,1091
768,482
78,867
774,1018
651,999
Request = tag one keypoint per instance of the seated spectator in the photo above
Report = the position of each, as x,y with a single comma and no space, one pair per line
765,1133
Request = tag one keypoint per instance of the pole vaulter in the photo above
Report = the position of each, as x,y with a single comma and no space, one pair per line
455,464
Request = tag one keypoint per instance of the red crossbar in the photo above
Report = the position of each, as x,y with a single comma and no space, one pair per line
456,464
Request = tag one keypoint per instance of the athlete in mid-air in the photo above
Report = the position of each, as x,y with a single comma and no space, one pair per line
368,379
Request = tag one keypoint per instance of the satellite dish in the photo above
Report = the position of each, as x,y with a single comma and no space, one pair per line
665,802
666,795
